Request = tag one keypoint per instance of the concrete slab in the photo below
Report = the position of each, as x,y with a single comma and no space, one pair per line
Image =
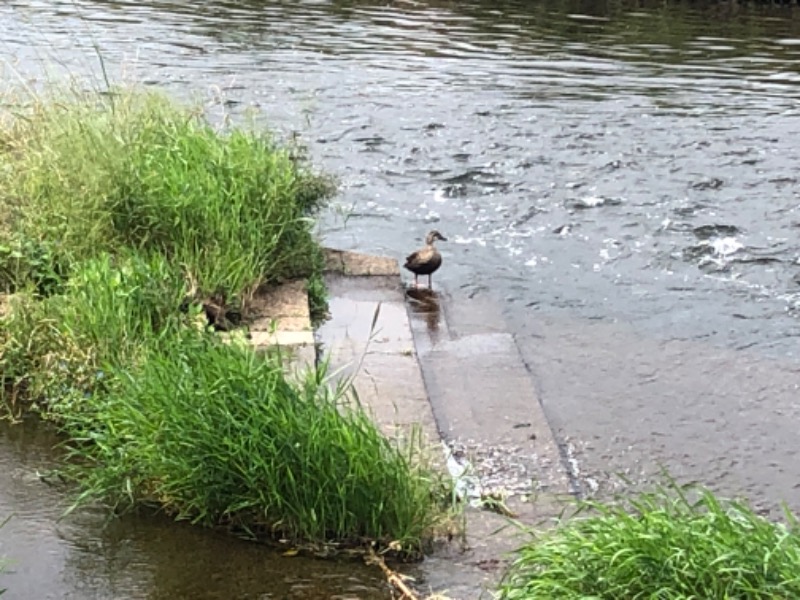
483,397
368,339
281,318
488,412
263,339
356,264
283,307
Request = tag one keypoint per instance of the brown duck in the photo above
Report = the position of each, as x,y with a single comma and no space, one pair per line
426,260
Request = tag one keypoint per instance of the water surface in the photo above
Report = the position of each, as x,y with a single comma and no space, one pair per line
620,176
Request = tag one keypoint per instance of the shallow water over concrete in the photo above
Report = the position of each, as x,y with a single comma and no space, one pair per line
619,177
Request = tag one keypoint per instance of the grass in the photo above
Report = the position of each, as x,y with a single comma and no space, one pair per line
112,309
120,215
670,544
129,184
86,173
217,435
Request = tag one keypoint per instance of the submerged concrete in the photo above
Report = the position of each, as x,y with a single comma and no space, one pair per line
368,340
452,371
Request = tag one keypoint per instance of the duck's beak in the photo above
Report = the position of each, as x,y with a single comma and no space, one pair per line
441,237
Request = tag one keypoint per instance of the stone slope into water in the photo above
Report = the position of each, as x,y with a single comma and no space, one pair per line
454,371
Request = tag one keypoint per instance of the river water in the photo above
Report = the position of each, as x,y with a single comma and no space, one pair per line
620,176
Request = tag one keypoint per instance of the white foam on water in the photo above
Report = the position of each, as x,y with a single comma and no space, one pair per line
467,483
593,201
726,246
469,240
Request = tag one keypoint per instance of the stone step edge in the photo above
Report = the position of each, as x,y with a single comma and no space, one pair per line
284,318
356,264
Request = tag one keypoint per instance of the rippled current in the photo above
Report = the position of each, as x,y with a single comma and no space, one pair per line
632,164
620,176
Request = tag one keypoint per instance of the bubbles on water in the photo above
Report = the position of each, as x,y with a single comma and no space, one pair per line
715,253
592,202
534,261
459,239
725,247
439,195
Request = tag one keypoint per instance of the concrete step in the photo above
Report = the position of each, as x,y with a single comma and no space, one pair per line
420,359
489,415
483,396
368,339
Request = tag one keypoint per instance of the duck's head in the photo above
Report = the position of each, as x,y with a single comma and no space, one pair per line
433,236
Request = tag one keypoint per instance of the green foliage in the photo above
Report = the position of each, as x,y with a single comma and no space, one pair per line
29,264
215,434
108,202
87,174
119,213
317,291
111,308
672,544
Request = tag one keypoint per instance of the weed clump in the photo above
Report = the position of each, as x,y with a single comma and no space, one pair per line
216,434
122,217
135,170
116,211
670,544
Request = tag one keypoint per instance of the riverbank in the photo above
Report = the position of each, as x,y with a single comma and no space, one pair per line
133,234
101,337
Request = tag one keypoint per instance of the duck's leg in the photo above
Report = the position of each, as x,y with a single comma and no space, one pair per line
416,282
430,285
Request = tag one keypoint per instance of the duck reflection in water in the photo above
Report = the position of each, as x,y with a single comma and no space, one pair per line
425,305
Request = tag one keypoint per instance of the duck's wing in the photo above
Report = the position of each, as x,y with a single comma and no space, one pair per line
412,259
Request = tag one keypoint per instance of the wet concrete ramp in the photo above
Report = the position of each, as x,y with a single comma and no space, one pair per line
422,362
488,413
369,341
483,397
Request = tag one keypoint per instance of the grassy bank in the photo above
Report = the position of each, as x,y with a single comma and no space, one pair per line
121,217
671,544
217,435
84,175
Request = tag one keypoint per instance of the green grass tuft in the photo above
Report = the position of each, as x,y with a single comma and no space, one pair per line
85,174
112,309
119,216
671,544
216,434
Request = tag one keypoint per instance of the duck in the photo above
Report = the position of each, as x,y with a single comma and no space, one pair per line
426,260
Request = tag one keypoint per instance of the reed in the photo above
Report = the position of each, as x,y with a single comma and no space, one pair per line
3,561
119,214
669,544
215,434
